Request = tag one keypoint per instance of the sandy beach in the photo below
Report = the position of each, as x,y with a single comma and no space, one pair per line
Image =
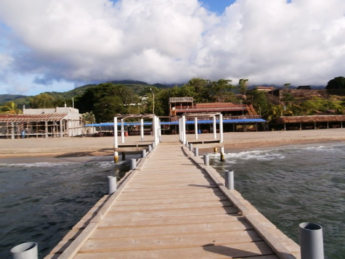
101,146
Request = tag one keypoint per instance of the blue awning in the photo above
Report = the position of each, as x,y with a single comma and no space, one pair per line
110,124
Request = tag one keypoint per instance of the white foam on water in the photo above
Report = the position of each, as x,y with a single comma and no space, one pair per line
106,164
260,155
38,164
329,149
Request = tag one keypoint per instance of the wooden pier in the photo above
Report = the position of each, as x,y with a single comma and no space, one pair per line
172,206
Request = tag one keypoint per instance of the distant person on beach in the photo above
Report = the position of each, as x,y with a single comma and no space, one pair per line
23,133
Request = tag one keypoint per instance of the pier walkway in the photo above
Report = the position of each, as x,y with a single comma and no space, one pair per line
172,206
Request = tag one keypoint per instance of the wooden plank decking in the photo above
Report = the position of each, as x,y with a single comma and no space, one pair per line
172,207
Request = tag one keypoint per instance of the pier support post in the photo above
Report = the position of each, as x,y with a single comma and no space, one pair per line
143,153
191,147
229,180
26,250
207,160
116,156
311,239
196,151
133,163
150,148
111,184
222,154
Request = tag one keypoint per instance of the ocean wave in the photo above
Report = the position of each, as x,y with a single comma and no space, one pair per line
322,149
260,155
106,164
38,164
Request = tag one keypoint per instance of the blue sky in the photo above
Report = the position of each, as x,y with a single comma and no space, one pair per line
217,6
57,45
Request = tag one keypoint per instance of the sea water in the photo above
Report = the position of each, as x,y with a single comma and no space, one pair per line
41,199
295,184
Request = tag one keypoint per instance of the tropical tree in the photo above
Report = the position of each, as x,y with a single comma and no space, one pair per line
88,118
10,108
106,100
242,85
274,112
43,100
336,83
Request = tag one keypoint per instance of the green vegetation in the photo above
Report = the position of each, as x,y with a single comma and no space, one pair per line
9,97
103,101
271,107
10,108
336,83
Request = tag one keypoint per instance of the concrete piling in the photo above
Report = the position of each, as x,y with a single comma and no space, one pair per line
207,160
133,163
116,157
143,153
196,151
229,180
111,184
222,158
28,250
311,241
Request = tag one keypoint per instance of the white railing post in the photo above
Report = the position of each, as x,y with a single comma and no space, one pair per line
122,131
142,129
116,142
221,128
196,127
184,129
214,127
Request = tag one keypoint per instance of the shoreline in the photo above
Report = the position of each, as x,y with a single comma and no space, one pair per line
104,146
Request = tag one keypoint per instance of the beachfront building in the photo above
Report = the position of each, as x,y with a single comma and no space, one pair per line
54,122
236,117
309,122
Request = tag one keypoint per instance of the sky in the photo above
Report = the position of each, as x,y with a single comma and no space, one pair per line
57,45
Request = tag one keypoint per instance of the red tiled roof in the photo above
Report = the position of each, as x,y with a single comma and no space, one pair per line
217,105
31,118
312,118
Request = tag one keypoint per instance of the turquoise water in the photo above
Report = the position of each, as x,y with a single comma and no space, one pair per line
295,184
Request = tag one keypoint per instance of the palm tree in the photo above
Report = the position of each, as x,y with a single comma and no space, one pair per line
10,108
88,118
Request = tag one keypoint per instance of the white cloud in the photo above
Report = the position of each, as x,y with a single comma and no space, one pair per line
266,41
